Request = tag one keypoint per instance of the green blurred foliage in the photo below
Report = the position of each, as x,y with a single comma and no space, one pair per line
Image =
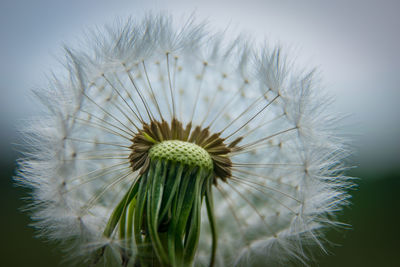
19,247
373,239
374,216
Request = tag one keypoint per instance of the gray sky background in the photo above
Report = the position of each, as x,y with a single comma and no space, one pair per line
355,45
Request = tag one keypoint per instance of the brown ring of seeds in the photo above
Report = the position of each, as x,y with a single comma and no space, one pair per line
156,132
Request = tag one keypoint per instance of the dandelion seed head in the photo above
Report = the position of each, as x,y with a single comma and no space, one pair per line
148,89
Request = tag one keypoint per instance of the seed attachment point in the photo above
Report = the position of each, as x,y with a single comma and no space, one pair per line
182,152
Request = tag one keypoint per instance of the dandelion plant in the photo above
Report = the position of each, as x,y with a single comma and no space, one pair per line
166,145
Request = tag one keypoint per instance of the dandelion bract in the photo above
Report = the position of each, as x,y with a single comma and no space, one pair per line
167,145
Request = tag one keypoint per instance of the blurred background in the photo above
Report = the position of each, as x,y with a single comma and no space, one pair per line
354,44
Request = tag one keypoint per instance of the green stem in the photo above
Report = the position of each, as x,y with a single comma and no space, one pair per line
211,219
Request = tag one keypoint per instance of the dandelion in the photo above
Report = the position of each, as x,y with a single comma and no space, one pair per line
169,146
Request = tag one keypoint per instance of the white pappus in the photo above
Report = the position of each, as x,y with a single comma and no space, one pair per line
277,176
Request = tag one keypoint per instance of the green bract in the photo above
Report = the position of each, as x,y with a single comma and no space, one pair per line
160,213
